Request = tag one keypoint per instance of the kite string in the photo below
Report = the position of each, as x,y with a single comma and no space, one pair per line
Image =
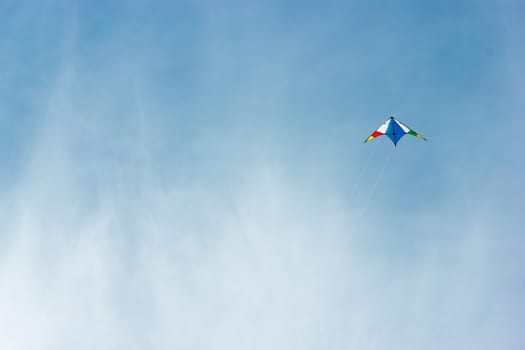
376,182
359,179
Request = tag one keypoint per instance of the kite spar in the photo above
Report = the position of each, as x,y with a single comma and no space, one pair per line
395,130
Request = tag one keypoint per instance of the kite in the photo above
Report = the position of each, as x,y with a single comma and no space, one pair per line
395,130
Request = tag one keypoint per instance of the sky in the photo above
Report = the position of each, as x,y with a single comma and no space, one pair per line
192,175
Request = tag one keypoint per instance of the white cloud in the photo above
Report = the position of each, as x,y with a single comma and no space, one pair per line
141,223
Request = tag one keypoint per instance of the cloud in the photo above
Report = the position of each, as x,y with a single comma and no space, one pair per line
175,194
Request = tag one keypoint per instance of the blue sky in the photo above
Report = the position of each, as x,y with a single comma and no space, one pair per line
192,175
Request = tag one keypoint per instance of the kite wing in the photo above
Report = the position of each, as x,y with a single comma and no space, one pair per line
395,130
380,131
409,131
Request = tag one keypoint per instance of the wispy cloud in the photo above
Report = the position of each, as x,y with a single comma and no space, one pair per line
178,186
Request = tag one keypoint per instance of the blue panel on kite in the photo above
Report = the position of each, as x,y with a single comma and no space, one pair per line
398,132
390,131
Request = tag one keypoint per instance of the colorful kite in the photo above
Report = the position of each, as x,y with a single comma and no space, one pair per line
395,130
